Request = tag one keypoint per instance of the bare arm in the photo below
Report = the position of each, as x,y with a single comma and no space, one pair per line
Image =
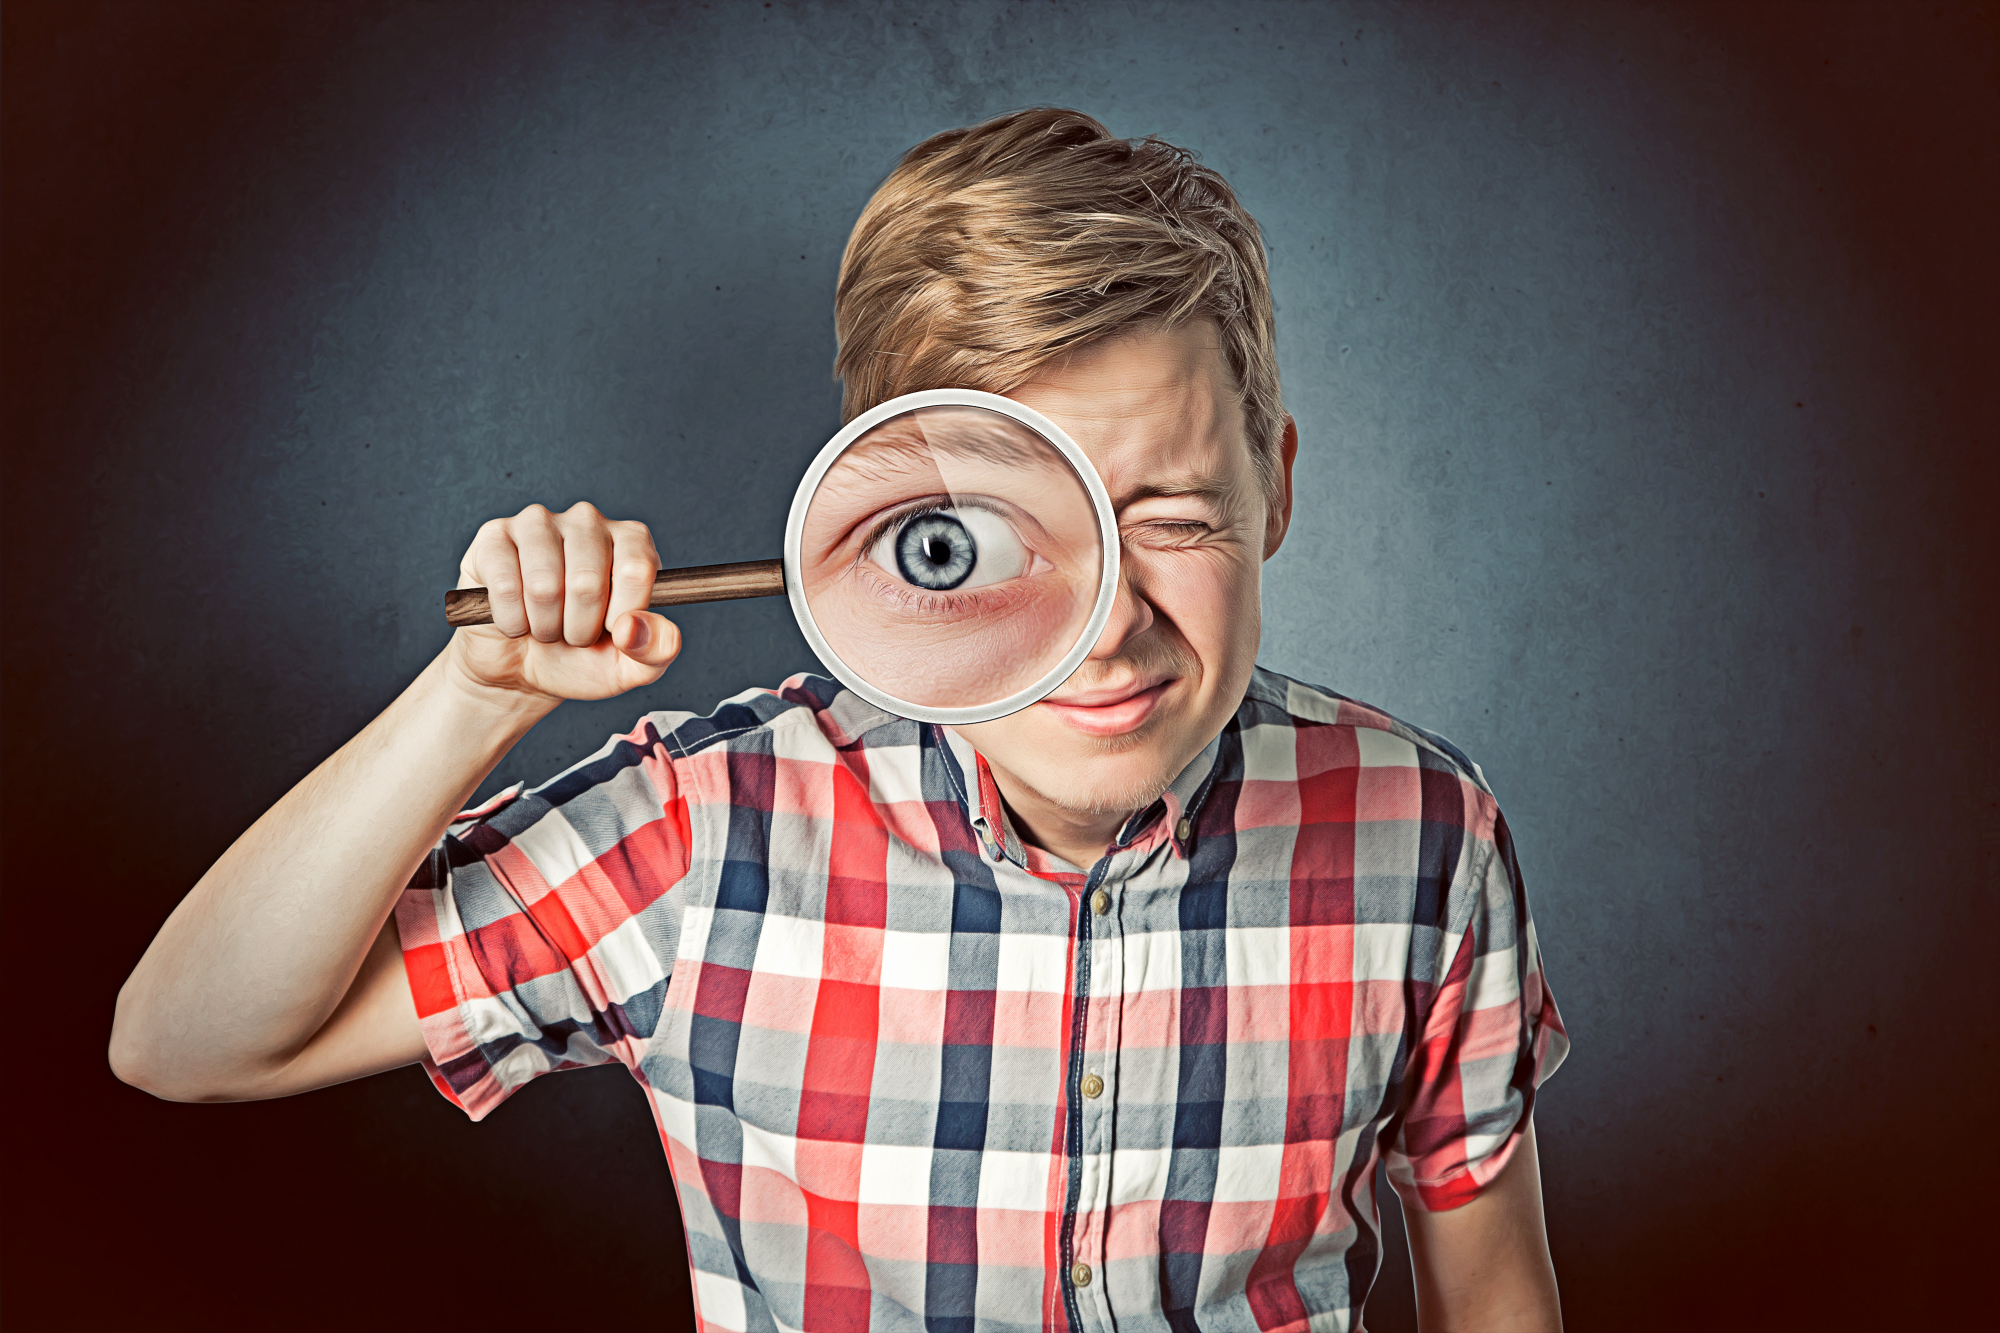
1486,1266
280,971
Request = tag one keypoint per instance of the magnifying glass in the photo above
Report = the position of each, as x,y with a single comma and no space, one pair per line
951,557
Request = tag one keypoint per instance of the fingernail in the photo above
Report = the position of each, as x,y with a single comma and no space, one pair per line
642,634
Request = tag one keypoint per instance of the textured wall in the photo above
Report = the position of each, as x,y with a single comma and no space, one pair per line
1642,364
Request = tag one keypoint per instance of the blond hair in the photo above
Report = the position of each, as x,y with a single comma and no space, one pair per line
993,249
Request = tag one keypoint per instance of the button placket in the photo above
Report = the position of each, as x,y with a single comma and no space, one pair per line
1100,1052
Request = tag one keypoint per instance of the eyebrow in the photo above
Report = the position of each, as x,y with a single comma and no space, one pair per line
1197,486
986,438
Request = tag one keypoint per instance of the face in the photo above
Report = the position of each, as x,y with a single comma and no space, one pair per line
1156,413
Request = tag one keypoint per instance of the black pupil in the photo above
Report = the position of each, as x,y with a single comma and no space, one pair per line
935,552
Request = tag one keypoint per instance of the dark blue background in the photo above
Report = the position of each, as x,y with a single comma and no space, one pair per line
1642,359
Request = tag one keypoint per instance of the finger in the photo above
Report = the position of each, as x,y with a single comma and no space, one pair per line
634,565
586,574
494,564
540,548
647,637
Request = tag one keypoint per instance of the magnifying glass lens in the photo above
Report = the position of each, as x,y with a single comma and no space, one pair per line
951,556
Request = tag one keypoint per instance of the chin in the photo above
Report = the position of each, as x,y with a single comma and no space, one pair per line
1106,797
1098,775
1101,775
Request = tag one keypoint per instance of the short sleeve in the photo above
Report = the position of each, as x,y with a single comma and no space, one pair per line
540,933
1491,1037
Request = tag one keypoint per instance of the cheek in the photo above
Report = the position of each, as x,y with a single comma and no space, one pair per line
1212,597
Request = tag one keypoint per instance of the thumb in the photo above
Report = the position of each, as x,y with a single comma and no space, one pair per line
647,638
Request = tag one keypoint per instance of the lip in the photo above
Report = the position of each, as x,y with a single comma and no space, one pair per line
1109,712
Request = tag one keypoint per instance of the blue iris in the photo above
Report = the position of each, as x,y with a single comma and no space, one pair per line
935,552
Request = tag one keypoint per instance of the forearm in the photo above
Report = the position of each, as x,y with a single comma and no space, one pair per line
254,961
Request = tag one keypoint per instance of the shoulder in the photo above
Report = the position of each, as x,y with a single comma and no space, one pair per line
668,756
1399,812
779,748
1313,735
807,715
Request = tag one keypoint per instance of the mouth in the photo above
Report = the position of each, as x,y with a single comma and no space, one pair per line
1109,712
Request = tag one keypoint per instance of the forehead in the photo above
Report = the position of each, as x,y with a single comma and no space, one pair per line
1152,408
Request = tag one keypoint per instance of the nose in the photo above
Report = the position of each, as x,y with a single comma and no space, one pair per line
1131,616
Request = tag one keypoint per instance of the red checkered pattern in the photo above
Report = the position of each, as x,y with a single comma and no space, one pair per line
912,1073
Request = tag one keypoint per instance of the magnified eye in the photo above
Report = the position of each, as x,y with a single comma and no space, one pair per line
942,549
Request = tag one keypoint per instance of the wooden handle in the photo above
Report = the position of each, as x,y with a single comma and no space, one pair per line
673,587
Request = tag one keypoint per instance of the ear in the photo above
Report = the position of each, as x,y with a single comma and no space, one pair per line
1278,519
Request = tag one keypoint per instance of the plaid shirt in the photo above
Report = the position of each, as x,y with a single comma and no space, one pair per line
911,1073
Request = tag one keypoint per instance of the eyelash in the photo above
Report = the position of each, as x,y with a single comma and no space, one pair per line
931,603
1175,530
928,505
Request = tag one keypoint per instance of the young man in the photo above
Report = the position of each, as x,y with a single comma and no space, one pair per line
1098,1016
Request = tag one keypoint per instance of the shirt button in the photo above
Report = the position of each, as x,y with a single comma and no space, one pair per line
1184,827
1080,1275
1100,902
1092,1085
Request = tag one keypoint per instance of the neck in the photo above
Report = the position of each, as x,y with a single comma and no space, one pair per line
1076,836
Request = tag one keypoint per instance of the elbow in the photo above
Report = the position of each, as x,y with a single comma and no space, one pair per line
135,1059
128,1049
130,1063
143,1057
127,1069
145,1070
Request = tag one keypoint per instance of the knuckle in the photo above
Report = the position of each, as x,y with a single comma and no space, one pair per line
636,571
584,509
542,588
535,510
584,582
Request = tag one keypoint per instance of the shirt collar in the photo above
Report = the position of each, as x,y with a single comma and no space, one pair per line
1173,816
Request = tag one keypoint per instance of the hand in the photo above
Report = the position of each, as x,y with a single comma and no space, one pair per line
557,582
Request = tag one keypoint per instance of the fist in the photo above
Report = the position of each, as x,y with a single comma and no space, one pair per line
569,594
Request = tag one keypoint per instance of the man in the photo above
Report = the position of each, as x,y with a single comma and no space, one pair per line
1097,1016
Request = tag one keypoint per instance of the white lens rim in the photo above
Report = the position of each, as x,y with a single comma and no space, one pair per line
1107,532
